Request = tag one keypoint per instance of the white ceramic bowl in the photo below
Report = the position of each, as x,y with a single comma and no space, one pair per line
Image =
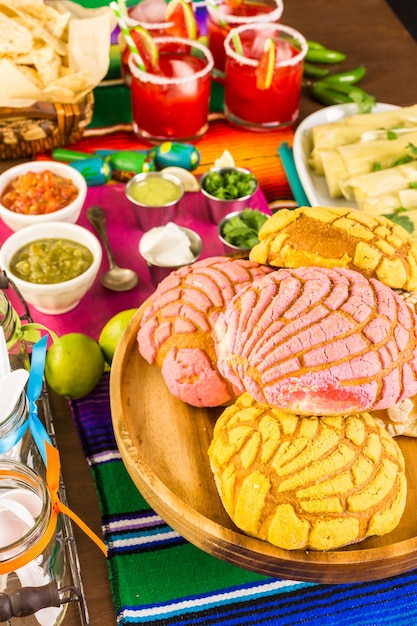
59,297
70,213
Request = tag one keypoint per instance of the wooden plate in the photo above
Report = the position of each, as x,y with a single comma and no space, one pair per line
163,443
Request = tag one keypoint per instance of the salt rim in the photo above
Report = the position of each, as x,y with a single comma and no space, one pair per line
147,77
130,21
273,16
259,26
148,25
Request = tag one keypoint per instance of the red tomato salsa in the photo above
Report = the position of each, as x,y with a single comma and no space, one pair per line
37,193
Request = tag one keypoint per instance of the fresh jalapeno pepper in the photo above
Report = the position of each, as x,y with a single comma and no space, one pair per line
324,55
350,77
338,93
324,93
315,45
353,91
312,71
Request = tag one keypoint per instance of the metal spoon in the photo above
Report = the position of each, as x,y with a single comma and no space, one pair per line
116,278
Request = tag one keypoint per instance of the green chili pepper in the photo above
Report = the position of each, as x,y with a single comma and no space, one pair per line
325,94
337,93
324,55
312,71
349,77
315,45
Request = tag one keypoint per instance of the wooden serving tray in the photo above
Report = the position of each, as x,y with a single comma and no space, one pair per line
163,443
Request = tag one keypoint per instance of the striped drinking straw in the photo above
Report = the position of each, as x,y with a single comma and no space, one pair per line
126,33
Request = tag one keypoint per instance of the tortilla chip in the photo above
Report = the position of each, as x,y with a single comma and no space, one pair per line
57,26
39,32
14,37
53,21
32,75
48,63
59,94
19,4
37,41
75,81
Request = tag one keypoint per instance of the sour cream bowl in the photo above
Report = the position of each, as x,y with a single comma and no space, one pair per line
168,248
69,213
59,297
154,197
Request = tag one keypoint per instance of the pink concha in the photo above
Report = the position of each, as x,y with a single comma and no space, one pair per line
319,341
191,377
176,328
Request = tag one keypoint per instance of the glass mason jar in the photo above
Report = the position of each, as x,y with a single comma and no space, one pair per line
17,446
32,550
10,322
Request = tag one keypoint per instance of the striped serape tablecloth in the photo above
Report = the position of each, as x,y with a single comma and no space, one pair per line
159,578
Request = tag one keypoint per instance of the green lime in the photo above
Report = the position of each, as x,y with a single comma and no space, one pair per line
181,14
147,48
265,71
74,365
112,331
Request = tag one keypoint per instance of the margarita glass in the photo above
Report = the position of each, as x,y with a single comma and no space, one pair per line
153,19
222,18
172,103
151,15
258,107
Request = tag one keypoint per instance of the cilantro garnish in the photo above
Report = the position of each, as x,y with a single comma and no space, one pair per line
399,217
242,230
229,185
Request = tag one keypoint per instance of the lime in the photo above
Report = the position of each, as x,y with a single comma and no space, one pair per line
146,46
265,70
188,179
112,331
182,15
74,365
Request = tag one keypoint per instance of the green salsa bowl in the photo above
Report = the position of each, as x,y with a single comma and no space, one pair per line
59,290
155,197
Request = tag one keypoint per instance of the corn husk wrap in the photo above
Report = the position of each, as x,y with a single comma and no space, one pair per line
352,128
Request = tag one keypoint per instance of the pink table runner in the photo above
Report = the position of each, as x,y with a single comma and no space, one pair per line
100,304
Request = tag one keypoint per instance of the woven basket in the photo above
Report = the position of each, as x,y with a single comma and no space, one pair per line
42,127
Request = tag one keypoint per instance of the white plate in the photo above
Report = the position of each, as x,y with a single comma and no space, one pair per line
315,186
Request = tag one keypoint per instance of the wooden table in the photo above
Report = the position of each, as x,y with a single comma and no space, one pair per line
369,33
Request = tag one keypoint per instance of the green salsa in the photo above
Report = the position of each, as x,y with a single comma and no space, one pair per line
50,261
154,191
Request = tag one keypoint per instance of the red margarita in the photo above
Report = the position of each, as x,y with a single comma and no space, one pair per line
260,108
155,17
172,102
222,17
